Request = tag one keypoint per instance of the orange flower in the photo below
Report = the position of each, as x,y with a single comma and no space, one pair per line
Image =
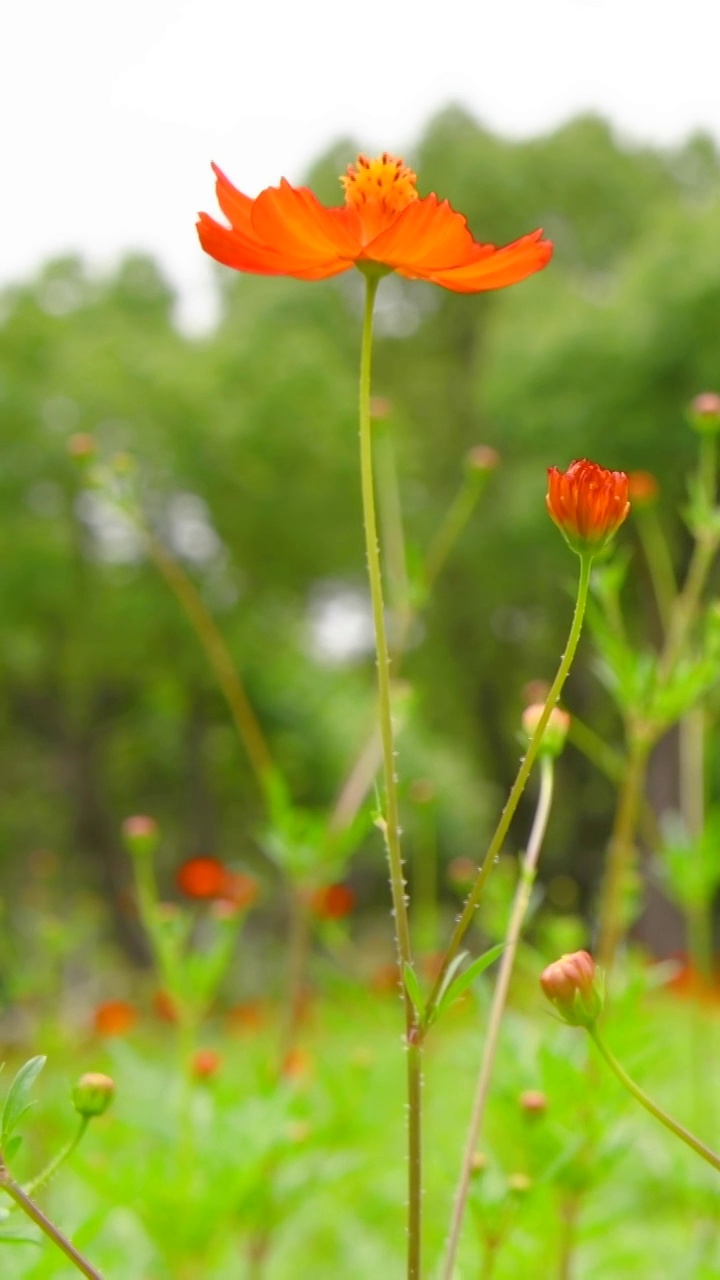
202,878
239,891
114,1018
587,503
205,1063
164,1007
574,986
383,226
332,902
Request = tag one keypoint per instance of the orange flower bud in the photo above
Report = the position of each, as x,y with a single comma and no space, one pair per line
462,872
643,488
93,1094
704,412
588,504
332,902
202,877
482,457
239,891
114,1018
533,1102
81,447
205,1064
556,729
573,984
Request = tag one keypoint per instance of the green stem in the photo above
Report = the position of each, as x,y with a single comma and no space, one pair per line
621,851
28,1206
468,913
659,562
452,526
492,1033
390,822
640,1096
64,1154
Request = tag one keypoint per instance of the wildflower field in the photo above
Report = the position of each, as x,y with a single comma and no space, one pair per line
360,822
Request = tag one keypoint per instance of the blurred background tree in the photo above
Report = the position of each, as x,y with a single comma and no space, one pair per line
244,446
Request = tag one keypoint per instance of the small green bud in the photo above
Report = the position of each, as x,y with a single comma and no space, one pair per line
93,1094
141,834
704,412
555,732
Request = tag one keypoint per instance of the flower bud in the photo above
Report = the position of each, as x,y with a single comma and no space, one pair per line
574,985
588,504
332,902
519,1183
555,732
533,1102
380,407
478,1163
82,447
205,1064
141,834
643,488
482,457
704,412
93,1094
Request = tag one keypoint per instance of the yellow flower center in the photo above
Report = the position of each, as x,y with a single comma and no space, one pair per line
385,179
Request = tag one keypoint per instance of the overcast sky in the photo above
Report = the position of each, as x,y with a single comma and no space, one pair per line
111,113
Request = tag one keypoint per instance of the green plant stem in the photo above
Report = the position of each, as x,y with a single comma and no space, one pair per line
468,913
28,1206
569,1212
64,1154
390,822
659,562
640,1096
492,1032
621,851
456,517
298,942
220,660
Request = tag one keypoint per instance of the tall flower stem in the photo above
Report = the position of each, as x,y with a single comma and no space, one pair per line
659,562
390,822
621,850
492,1033
28,1206
640,1096
468,913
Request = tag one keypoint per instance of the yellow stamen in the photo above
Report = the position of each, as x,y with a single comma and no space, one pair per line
385,179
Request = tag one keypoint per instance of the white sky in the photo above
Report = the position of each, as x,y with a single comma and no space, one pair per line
111,113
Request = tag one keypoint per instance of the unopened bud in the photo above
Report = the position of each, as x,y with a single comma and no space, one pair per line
478,1163
555,732
574,985
82,447
205,1064
462,872
482,457
380,407
533,1102
141,834
704,412
519,1183
93,1094
643,488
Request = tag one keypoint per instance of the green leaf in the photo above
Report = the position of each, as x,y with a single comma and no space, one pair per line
18,1099
460,985
12,1147
452,969
412,986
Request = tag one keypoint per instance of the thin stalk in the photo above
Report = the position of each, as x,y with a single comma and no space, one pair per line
492,1033
687,604
621,851
64,1154
456,517
391,817
569,1212
468,913
220,660
659,562
298,941
640,1096
28,1206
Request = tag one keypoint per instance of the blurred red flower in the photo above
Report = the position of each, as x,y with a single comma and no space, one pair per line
202,877
332,902
239,890
587,503
206,1063
246,1018
114,1018
383,224
643,488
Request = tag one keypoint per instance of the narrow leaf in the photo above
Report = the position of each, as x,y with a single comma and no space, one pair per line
412,986
18,1100
467,978
452,969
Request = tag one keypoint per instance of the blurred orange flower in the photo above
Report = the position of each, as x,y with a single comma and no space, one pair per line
246,1018
206,1063
202,877
114,1018
643,488
332,902
383,226
238,890
587,503
164,1006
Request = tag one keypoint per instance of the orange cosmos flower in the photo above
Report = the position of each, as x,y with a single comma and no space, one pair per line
332,902
587,503
202,878
383,226
114,1018
643,488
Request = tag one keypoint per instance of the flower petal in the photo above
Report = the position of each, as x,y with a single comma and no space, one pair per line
233,249
296,225
427,236
233,203
494,268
